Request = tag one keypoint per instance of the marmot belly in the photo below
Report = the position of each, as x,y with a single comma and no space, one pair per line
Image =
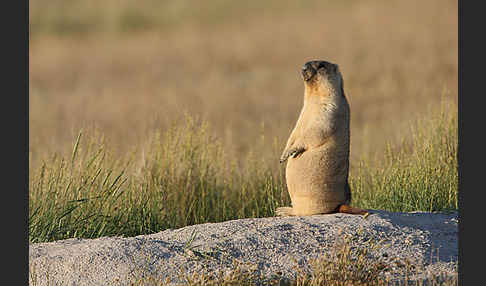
316,181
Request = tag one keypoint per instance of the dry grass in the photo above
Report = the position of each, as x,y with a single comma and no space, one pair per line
234,65
183,176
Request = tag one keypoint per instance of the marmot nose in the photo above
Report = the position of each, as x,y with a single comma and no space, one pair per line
308,71
307,66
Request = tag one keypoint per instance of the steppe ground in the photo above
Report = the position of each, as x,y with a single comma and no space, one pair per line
128,68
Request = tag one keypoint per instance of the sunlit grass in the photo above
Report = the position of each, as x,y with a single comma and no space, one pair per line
420,175
183,177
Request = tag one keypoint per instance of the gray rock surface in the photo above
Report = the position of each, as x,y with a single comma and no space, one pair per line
272,245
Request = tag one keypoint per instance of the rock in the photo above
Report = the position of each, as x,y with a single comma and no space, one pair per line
272,245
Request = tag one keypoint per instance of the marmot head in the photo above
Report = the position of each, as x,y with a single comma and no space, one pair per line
322,78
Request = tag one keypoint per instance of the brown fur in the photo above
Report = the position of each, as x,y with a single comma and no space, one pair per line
317,151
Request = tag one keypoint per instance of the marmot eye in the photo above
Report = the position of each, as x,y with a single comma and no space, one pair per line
327,66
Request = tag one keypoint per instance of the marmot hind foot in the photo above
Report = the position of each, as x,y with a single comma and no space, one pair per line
352,210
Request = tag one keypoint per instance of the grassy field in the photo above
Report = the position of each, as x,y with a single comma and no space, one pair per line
150,115
234,65
182,176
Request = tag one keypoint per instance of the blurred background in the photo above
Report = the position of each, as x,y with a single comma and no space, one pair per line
127,68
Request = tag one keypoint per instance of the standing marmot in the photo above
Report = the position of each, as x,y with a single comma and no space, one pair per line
318,147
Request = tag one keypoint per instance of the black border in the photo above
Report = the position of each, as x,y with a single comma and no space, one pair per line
22,132
14,118
460,149
469,87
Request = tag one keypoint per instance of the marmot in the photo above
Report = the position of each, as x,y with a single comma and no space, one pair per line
318,148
